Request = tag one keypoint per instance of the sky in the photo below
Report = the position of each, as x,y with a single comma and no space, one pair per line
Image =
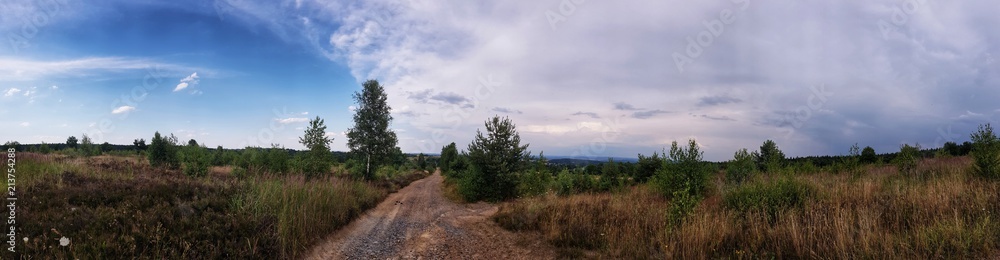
577,78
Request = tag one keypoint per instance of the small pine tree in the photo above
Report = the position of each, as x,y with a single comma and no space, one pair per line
195,160
986,152
770,159
316,161
495,159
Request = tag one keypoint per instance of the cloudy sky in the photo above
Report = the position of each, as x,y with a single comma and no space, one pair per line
586,78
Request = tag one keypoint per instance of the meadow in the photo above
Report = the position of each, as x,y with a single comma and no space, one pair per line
939,210
112,207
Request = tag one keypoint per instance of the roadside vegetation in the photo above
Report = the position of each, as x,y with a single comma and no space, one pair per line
914,203
173,200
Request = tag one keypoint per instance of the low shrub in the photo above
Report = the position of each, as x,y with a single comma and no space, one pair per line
770,197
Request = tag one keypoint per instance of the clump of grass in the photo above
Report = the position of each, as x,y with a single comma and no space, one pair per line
306,211
770,197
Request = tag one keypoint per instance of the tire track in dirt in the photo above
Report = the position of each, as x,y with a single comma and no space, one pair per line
417,222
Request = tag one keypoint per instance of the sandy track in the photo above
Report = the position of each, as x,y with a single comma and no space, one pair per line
419,223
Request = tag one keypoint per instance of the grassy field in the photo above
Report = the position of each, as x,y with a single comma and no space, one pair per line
120,207
941,211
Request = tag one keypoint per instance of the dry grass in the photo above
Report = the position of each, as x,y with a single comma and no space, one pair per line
941,212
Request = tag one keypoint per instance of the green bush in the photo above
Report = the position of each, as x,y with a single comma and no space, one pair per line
986,152
277,160
533,183
163,152
681,206
906,160
684,170
196,161
741,168
769,197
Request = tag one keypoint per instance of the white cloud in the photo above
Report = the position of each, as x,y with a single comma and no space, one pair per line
25,124
187,81
11,92
305,113
181,86
55,87
292,120
123,109
352,108
26,70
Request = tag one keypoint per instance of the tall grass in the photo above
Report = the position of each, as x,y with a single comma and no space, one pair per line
306,211
941,211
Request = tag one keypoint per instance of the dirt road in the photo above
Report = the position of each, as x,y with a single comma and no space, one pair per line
419,223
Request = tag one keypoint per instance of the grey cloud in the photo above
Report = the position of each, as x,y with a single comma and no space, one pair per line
625,106
450,98
718,118
718,100
944,55
506,110
648,113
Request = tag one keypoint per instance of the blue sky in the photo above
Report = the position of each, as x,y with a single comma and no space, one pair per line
588,78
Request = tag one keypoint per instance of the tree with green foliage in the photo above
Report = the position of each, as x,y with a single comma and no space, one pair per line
647,166
741,168
44,148
770,158
906,160
277,159
316,162
868,155
139,144
162,152
495,159
449,156
852,162
105,147
986,152
421,162
71,142
683,171
87,146
192,142
371,140
12,144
